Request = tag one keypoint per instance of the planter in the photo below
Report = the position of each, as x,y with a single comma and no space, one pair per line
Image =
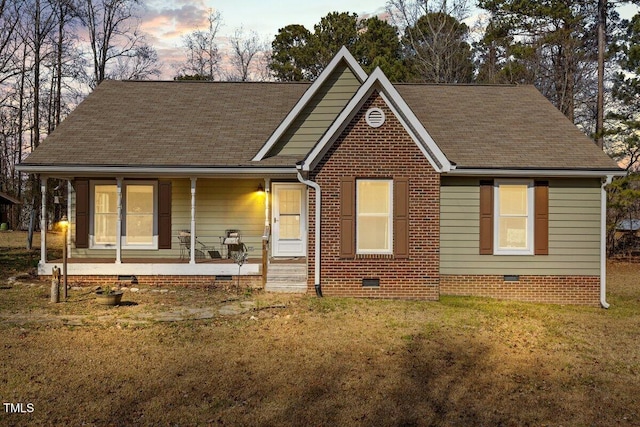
112,298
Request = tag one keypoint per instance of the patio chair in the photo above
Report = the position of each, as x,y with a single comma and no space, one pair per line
233,242
184,237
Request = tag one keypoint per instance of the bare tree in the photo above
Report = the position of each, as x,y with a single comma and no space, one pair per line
602,28
434,39
247,56
113,32
9,45
143,65
203,56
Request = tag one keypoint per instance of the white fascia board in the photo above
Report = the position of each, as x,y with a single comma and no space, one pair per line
377,80
550,173
110,171
343,54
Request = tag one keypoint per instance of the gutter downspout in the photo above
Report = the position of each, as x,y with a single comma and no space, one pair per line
603,241
316,187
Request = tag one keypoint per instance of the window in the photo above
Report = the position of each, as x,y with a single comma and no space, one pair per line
139,213
105,214
513,218
374,216
138,227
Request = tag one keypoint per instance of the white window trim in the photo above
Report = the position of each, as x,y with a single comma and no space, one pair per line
496,217
389,224
92,241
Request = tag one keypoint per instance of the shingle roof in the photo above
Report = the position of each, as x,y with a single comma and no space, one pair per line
150,123
206,124
501,127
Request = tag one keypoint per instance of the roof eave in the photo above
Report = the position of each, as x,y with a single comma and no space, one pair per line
536,172
155,171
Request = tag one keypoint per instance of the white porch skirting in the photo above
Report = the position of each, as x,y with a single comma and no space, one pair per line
149,269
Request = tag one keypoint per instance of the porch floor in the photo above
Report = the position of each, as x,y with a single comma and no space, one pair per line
150,261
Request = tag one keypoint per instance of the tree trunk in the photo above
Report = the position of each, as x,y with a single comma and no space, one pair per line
602,15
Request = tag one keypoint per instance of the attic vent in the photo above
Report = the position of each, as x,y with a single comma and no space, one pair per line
374,117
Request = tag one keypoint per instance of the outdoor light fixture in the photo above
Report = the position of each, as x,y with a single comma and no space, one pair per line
64,223
260,188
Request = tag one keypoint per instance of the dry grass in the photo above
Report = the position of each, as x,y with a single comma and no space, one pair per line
460,361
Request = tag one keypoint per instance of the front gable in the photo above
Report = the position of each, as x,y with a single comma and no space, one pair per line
392,248
316,110
377,83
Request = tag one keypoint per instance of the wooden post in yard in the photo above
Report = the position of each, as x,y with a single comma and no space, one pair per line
55,285
265,256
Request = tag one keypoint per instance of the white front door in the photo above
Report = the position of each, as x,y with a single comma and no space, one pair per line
289,226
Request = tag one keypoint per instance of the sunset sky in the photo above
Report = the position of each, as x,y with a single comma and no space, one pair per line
166,21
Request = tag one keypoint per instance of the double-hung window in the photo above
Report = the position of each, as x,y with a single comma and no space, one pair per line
514,218
139,215
374,216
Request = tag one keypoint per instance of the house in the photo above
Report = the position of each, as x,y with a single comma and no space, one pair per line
6,202
349,186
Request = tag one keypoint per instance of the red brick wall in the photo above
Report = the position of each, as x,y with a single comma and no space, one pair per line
385,152
583,290
163,281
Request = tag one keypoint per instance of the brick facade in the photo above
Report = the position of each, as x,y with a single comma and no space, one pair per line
581,290
385,152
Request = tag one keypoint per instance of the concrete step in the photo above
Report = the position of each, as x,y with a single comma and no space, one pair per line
287,278
286,287
287,273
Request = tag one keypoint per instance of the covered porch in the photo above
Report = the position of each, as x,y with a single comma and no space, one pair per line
114,236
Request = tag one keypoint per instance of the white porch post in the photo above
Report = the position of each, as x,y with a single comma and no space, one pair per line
119,221
68,242
267,216
192,250
43,220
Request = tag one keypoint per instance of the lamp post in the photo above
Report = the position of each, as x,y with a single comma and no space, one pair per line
64,222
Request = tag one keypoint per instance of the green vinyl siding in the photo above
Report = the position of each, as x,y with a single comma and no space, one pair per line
316,117
574,231
221,204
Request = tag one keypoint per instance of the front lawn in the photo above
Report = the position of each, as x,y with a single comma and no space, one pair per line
300,360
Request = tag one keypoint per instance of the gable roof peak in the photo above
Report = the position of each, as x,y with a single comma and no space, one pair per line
378,81
343,55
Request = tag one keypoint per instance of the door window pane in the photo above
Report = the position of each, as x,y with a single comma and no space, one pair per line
290,227
289,204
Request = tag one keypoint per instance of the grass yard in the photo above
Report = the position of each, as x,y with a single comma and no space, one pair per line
300,360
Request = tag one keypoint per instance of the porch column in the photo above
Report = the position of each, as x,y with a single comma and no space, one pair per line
267,216
119,221
43,220
192,249
68,242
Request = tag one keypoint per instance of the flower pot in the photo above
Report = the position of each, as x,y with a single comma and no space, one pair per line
112,298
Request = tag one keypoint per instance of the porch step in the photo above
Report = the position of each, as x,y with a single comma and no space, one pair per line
287,278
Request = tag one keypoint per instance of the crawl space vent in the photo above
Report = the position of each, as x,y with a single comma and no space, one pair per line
374,117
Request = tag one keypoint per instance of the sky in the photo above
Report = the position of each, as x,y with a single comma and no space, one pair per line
166,22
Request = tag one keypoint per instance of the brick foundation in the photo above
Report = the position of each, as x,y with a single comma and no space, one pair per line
253,282
580,290
387,152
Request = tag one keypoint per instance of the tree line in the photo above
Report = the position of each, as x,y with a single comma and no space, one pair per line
580,54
